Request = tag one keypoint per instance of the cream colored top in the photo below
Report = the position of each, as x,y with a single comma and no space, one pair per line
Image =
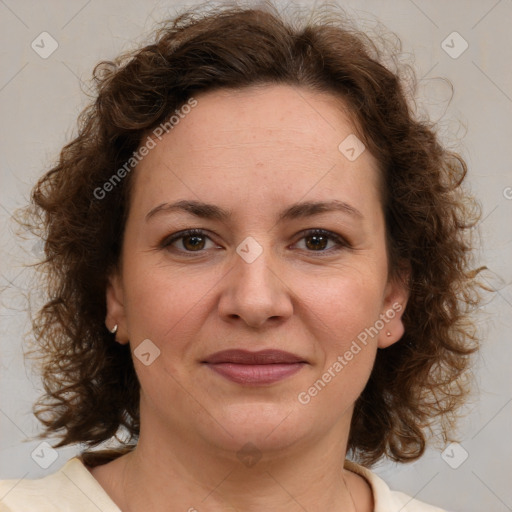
73,489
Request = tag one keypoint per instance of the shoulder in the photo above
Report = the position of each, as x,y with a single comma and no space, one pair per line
72,487
387,500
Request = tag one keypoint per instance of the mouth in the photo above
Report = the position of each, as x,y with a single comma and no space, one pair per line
254,368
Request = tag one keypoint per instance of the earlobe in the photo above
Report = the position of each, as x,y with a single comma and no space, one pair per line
116,318
395,302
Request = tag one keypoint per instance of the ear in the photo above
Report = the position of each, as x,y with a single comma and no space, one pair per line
115,307
396,296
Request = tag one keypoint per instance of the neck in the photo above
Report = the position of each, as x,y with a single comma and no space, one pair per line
306,476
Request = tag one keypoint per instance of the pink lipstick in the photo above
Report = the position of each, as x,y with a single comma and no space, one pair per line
254,368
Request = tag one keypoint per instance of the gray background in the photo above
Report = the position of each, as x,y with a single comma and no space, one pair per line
41,98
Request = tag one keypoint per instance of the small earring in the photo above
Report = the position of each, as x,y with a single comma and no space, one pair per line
113,330
387,333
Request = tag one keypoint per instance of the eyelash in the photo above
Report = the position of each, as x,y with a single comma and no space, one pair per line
342,243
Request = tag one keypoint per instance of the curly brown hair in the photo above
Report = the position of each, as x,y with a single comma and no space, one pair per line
91,388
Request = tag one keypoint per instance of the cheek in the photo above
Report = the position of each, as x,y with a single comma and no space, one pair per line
162,306
345,304
344,314
159,302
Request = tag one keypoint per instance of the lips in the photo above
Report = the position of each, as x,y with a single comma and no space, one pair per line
254,368
261,357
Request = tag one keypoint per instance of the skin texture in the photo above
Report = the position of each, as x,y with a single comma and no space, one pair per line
254,152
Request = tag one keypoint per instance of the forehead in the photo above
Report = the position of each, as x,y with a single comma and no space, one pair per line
274,137
299,117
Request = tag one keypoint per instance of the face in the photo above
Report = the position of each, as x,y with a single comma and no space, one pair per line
263,271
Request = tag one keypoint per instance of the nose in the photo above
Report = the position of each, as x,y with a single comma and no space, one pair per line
255,292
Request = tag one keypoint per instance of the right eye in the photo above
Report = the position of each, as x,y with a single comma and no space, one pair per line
192,240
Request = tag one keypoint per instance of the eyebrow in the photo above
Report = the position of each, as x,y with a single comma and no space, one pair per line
295,211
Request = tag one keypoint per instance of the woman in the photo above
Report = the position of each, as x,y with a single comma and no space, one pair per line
258,264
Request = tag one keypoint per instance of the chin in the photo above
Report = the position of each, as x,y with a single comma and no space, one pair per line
267,427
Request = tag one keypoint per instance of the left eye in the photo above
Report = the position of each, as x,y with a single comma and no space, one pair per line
319,238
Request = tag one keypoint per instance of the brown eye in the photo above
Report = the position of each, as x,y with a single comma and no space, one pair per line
317,240
192,240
